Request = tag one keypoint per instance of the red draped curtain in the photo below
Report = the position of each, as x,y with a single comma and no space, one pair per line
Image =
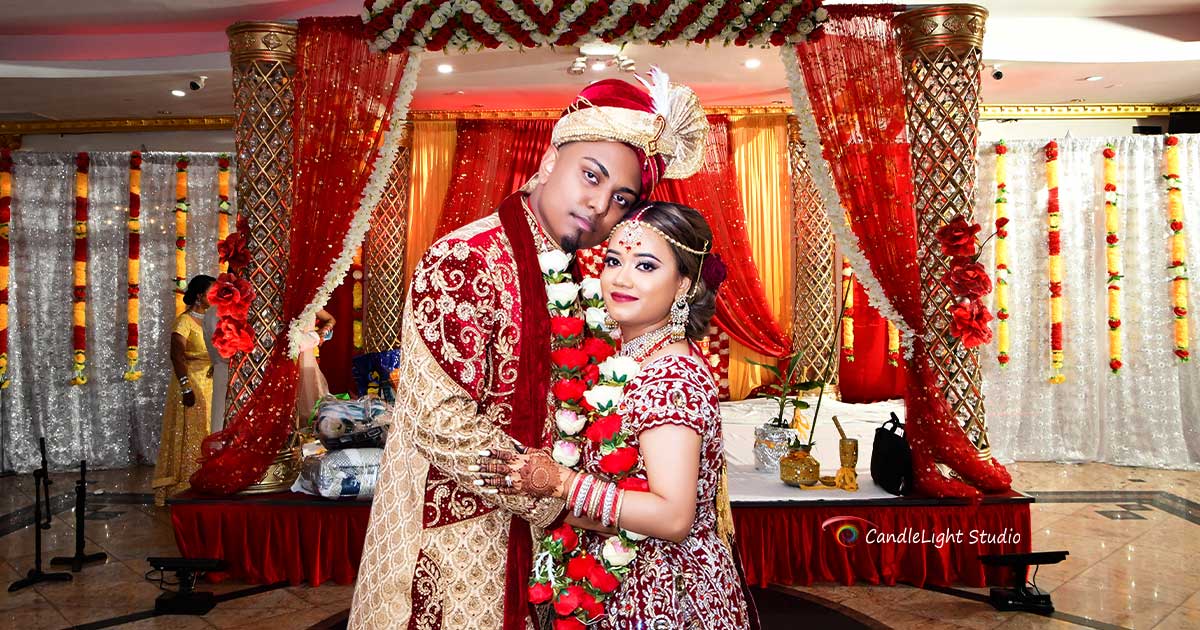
344,94
869,377
492,158
742,308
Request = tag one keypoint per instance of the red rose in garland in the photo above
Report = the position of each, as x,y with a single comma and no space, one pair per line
597,349
570,390
540,593
569,601
968,279
569,360
579,566
958,237
231,296
232,336
566,535
567,330
619,461
971,323
569,623
603,429
602,580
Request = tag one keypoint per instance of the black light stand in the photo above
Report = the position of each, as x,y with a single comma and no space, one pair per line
41,491
80,558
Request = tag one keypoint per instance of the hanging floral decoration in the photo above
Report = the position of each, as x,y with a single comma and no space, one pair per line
6,165
79,272
1178,266
1001,262
181,225
1112,222
893,348
356,274
1054,243
232,295
134,225
848,312
224,208
588,385
967,281
434,25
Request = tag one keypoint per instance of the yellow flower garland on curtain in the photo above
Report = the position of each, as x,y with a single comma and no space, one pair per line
5,220
1054,242
1179,283
134,225
1112,224
1001,265
893,355
223,206
356,273
181,225
79,273
848,312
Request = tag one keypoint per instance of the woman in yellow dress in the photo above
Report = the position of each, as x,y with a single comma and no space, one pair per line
186,418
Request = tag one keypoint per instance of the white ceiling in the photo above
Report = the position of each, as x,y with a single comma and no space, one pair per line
121,58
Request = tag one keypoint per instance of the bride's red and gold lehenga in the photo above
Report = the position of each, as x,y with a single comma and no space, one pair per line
691,584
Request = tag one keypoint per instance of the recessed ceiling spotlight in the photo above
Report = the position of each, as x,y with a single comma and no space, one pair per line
1094,77
178,93
445,68
753,63
598,66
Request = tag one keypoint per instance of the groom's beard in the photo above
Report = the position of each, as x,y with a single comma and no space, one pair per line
570,243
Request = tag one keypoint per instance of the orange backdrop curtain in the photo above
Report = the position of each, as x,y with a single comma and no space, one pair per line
433,145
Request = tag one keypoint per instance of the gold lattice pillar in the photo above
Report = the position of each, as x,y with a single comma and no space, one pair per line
814,313
263,56
383,257
942,59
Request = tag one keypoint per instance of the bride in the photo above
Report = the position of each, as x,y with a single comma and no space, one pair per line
659,284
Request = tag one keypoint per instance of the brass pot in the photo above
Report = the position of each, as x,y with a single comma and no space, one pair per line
799,468
848,452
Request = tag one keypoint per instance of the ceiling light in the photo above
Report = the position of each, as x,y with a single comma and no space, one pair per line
599,49
178,93
753,63
1094,77
445,68
598,66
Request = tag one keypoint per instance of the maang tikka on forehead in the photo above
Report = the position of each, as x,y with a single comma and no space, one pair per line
634,233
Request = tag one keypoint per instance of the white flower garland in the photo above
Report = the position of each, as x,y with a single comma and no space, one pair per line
831,201
372,194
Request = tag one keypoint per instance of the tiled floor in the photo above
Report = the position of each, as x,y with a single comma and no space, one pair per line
1134,547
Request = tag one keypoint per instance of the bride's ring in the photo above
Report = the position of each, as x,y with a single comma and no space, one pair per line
508,481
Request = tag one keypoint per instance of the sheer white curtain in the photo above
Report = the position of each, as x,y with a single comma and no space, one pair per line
1149,413
109,421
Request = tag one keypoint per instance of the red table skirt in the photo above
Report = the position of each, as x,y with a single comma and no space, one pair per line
272,538
289,537
788,545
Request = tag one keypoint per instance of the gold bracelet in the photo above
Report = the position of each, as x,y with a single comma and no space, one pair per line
617,513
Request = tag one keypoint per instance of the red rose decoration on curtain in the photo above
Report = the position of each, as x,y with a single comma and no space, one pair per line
233,250
619,461
968,279
231,296
970,324
958,237
232,336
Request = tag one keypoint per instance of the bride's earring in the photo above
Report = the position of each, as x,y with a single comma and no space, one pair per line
609,322
679,318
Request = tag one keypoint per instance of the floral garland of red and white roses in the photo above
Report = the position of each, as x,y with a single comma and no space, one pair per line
79,273
589,383
1112,257
1002,269
435,25
968,282
134,265
1178,267
232,294
1054,245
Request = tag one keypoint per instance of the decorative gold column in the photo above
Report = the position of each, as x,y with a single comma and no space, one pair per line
941,53
263,56
814,316
383,259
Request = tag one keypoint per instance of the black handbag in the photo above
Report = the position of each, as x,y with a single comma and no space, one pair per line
891,458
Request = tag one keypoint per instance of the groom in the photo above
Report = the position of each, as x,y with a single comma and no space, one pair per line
441,552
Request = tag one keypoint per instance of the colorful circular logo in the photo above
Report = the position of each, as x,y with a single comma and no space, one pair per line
847,530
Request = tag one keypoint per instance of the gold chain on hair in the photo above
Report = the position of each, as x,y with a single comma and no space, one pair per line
637,220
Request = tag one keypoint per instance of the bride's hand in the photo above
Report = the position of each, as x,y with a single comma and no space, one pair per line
532,473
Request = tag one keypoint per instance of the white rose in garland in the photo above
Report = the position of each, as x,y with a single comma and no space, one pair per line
595,318
554,264
566,453
569,422
589,289
616,553
619,370
604,398
561,296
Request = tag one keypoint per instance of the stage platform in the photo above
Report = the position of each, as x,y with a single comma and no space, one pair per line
785,535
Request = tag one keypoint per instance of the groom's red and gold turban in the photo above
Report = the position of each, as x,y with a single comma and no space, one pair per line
666,127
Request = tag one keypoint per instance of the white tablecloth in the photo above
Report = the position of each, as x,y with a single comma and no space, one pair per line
859,421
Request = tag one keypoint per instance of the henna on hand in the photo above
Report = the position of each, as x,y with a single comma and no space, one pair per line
540,475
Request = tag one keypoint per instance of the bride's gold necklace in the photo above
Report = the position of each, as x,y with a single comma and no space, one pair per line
645,345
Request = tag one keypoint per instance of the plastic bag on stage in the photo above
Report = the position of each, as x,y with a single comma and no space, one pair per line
342,424
346,474
891,458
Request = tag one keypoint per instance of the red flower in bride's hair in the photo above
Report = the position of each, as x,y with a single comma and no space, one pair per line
970,323
958,237
622,460
233,250
713,272
232,336
968,279
231,296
